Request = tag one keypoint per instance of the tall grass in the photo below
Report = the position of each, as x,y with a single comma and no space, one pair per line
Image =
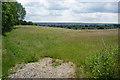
29,44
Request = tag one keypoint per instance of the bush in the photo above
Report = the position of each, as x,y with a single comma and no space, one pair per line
103,64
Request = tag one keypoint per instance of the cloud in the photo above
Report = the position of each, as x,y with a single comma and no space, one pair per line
57,5
27,1
71,10
83,17
103,7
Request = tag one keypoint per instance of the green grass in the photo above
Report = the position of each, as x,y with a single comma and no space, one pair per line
29,44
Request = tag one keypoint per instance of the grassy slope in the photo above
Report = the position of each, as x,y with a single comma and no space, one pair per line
27,44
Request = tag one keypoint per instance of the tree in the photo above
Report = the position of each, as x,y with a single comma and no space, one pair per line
20,11
12,12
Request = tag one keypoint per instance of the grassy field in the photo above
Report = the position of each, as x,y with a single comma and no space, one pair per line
30,43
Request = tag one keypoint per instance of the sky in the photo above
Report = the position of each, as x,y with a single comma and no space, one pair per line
85,11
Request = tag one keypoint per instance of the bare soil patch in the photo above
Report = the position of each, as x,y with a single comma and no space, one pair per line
45,69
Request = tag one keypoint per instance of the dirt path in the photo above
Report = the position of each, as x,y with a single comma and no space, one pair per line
46,68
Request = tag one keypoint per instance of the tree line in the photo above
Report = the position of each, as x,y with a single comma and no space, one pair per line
86,26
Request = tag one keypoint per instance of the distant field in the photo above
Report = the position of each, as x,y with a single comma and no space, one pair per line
30,43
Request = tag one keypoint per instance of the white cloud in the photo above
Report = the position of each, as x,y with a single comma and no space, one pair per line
106,7
26,1
71,10
83,17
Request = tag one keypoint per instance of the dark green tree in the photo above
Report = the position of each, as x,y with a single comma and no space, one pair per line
12,12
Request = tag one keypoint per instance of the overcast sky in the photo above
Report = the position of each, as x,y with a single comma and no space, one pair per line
92,11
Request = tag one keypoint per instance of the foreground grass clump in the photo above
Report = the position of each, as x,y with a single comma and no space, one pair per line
56,63
103,64
30,43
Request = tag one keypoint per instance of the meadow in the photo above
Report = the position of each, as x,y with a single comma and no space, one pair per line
27,44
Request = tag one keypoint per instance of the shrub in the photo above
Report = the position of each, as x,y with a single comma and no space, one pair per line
103,64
